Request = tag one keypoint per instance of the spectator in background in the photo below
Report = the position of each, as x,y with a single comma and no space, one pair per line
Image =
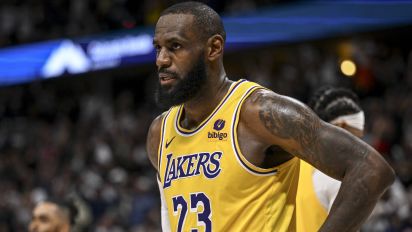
53,215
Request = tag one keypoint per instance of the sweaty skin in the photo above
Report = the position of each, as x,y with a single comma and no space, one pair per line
273,128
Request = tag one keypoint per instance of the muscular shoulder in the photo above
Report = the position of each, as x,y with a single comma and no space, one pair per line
153,139
275,119
280,116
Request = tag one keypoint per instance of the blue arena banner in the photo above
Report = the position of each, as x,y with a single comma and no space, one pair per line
56,58
296,22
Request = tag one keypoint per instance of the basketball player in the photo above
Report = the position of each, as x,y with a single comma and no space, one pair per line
227,153
53,216
317,191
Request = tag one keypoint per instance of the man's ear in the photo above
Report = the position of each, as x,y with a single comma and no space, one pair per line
215,46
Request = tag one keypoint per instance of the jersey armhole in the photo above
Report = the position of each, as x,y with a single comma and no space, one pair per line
160,148
251,168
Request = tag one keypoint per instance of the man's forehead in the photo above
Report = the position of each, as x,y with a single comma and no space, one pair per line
46,208
174,23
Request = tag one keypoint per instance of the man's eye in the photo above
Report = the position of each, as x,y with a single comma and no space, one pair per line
176,46
44,219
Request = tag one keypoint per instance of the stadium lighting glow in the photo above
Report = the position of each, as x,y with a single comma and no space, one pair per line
348,68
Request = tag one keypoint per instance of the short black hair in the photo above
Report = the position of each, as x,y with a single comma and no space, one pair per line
206,20
329,103
67,206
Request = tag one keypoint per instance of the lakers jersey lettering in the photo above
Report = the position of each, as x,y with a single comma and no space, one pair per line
192,165
207,183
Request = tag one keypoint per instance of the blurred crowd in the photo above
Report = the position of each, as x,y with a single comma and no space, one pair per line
84,138
23,21
83,145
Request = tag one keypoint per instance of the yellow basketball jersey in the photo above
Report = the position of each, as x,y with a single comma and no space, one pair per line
209,185
310,214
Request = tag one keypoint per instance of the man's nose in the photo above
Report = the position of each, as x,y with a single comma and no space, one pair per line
163,58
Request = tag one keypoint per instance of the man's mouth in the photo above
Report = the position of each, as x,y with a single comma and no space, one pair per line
166,78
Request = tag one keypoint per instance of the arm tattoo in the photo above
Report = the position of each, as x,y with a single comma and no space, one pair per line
364,176
287,120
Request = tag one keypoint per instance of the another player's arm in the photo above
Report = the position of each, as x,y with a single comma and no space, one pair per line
285,122
153,141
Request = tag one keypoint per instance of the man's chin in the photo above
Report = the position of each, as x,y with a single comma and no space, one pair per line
167,93
164,98
167,88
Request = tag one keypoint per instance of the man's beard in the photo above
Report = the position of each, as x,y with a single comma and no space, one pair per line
185,89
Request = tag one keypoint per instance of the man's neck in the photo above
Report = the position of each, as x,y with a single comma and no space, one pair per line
198,109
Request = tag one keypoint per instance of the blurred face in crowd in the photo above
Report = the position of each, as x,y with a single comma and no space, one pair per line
48,217
180,59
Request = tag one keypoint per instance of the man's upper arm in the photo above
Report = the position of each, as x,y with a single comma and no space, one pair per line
153,140
285,122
